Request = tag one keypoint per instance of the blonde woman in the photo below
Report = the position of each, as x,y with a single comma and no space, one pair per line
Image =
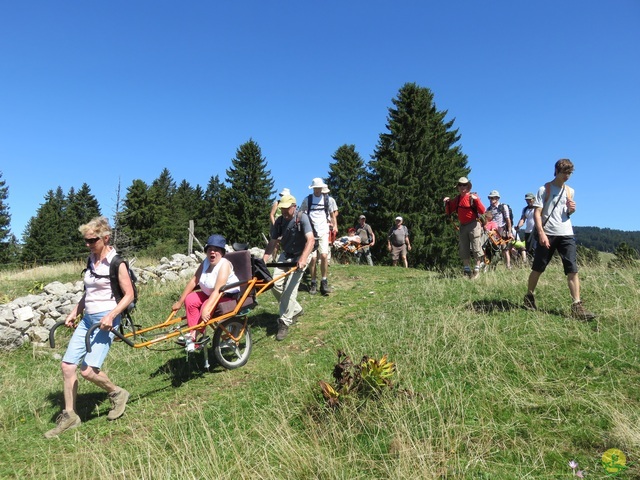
98,306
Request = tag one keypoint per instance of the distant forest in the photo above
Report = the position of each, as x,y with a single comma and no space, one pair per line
606,239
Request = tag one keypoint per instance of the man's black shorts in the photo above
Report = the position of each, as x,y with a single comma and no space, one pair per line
566,247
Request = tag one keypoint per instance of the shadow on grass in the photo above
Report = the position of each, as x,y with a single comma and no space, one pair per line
85,404
495,305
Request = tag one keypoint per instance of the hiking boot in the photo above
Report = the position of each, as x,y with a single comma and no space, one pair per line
119,402
466,272
530,302
325,289
313,289
297,316
283,330
65,421
578,311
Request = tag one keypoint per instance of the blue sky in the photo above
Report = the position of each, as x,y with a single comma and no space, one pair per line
108,92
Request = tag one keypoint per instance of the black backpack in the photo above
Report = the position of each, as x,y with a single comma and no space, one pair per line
325,197
116,291
510,213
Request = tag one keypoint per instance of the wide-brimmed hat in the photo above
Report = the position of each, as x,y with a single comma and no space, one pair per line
325,190
287,200
464,180
216,240
285,191
318,183
494,193
529,196
398,218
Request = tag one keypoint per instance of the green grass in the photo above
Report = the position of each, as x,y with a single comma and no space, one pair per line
485,389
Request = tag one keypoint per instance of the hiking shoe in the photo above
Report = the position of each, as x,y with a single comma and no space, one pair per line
65,421
476,273
325,289
578,311
466,272
297,316
530,302
181,341
283,330
119,402
313,289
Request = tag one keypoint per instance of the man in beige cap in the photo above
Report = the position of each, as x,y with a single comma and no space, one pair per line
294,234
322,211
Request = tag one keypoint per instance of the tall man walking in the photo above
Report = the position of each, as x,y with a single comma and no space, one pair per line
554,206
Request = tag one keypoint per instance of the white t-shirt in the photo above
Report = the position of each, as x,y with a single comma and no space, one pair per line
559,223
207,280
317,212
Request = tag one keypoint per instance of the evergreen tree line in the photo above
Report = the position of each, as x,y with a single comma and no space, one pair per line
416,163
606,239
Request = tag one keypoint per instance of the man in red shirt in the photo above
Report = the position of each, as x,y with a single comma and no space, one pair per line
468,207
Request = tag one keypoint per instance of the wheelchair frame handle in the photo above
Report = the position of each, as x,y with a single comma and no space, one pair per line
52,331
87,338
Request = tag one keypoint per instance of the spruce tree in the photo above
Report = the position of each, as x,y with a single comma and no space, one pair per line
161,192
185,205
138,216
46,236
348,184
80,208
415,165
246,202
6,248
209,219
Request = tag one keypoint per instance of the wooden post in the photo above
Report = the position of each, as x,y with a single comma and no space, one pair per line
190,249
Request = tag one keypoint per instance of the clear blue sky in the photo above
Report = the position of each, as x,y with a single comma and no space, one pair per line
108,92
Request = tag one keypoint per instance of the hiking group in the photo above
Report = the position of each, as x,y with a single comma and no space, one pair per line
300,237
547,230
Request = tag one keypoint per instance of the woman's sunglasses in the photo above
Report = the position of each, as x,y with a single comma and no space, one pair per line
91,241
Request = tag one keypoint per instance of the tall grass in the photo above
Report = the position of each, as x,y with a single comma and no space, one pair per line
484,389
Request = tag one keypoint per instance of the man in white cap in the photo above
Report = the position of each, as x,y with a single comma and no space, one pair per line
323,212
398,242
294,234
275,208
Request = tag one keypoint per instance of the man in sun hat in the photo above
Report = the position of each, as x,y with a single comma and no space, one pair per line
293,232
398,242
323,211
468,207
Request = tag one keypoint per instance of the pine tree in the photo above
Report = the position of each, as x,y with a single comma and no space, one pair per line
348,184
414,166
209,220
46,236
186,204
7,240
246,202
161,193
80,208
138,216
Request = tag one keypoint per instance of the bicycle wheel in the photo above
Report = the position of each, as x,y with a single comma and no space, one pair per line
229,352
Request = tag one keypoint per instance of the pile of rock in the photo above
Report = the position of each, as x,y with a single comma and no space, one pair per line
29,318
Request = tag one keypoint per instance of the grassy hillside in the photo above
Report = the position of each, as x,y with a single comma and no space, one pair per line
485,389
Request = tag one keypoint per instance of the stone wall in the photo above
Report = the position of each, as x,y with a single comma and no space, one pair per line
29,318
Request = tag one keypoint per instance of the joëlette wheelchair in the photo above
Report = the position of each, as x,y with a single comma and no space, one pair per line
231,334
